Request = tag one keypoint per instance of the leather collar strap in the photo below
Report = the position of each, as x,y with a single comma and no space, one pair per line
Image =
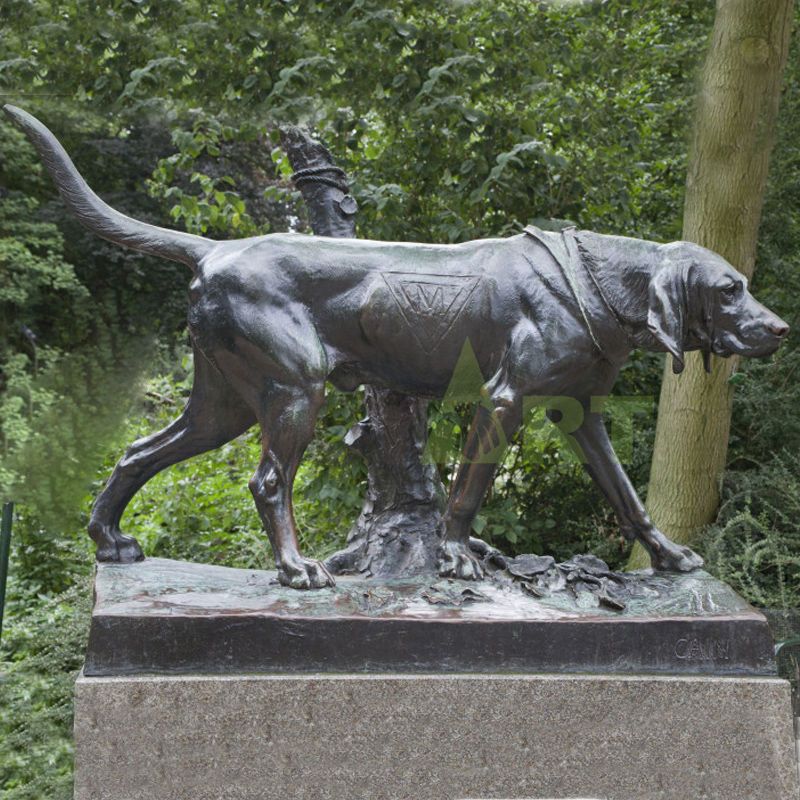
587,266
564,249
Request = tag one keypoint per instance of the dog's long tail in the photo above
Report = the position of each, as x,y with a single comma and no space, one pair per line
98,216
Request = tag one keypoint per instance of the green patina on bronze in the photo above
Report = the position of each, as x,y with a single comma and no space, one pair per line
162,586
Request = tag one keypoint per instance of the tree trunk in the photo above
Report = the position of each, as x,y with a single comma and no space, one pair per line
727,174
398,530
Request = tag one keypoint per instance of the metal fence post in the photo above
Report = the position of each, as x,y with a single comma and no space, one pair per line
5,549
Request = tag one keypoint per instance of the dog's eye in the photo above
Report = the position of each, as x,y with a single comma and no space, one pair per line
732,289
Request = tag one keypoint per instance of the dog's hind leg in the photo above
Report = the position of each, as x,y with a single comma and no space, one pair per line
287,422
213,416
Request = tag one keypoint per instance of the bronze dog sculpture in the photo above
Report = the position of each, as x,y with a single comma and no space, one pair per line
273,317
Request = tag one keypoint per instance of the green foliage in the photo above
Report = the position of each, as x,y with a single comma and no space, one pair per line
46,641
455,120
66,378
215,209
31,261
54,447
755,543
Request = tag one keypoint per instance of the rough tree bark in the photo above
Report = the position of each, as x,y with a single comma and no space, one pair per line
727,174
399,528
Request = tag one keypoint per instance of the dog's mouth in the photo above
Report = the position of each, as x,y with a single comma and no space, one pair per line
727,345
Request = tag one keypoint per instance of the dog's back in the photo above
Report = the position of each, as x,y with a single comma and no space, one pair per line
381,310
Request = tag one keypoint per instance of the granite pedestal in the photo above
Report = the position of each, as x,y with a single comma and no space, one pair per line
433,737
216,684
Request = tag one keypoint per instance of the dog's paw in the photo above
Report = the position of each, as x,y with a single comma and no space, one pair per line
668,556
115,547
304,573
677,559
457,561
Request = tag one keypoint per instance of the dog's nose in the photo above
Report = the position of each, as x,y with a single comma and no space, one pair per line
778,328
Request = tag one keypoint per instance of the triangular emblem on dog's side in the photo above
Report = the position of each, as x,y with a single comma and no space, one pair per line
430,304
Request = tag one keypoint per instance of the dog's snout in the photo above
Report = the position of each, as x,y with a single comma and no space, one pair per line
778,328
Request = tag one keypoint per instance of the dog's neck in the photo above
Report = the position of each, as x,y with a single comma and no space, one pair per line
622,268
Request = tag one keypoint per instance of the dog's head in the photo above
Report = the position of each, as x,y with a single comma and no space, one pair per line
698,301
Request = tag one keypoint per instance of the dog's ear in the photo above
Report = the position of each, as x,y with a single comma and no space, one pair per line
666,315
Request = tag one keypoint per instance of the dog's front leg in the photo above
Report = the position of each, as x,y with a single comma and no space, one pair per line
602,464
488,436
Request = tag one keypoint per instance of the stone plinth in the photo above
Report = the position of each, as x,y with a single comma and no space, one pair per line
433,737
162,616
